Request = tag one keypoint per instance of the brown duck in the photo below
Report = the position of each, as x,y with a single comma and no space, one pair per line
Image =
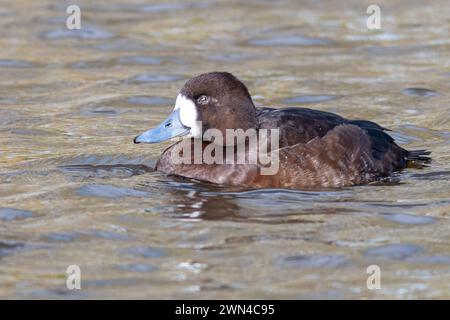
314,148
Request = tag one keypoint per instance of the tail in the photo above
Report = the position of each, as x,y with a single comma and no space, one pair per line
417,159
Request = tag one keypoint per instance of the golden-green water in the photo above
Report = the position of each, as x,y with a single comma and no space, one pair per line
75,190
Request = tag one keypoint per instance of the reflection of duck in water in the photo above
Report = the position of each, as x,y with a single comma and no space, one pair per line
316,148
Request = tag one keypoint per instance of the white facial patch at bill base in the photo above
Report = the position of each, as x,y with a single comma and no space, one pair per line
188,115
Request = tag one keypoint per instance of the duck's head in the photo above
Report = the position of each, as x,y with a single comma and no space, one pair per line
215,100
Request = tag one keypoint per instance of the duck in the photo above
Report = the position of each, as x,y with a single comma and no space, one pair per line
312,148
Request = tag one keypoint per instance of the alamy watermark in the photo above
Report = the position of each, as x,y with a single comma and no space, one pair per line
373,281
73,21
374,20
258,147
73,277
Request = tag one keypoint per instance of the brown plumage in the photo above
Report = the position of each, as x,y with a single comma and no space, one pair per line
317,148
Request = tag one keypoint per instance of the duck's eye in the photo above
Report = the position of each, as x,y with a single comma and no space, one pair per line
203,100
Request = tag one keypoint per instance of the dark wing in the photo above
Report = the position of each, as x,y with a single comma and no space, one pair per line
384,148
298,125
301,125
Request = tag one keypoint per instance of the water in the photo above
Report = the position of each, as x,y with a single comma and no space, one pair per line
74,189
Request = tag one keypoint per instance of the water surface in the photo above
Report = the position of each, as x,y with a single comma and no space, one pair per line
74,189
